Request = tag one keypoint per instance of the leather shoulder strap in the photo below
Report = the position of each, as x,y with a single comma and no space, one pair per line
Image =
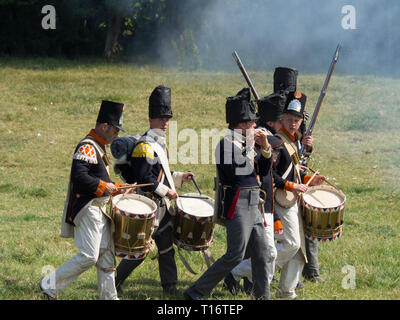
291,149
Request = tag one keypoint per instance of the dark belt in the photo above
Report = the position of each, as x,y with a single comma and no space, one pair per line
247,188
250,188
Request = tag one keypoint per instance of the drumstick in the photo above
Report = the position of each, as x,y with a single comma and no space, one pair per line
194,181
195,197
135,185
195,184
313,176
307,168
327,181
331,184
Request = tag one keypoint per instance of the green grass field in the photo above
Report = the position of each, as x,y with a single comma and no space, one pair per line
48,105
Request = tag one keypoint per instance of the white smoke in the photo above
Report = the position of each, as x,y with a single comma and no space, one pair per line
302,34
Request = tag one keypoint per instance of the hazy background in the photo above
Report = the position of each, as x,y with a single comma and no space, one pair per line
303,34
201,34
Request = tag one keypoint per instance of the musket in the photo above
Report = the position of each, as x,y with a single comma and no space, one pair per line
322,95
245,75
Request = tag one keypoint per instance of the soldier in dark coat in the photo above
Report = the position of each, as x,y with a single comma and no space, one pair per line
148,164
285,81
290,181
272,224
85,217
238,200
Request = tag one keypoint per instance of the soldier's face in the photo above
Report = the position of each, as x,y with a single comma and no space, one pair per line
276,125
159,123
110,133
291,122
247,127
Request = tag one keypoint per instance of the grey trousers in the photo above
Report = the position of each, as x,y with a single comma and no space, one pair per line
245,231
166,261
311,269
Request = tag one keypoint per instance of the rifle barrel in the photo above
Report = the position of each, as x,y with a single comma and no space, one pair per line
322,94
245,75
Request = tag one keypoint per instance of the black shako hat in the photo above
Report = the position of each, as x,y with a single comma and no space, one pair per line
239,108
285,79
270,108
160,103
275,142
296,103
111,113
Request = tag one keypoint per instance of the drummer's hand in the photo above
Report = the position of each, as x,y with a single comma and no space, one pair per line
318,180
171,194
260,137
302,168
128,190
300,187
110,189
308,142
187,176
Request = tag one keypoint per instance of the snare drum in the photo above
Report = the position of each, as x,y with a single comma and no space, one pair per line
134,217
193,225
323,211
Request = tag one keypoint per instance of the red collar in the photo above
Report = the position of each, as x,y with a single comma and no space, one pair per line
290,136
98,139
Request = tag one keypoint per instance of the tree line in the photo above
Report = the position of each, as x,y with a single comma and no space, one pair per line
110,28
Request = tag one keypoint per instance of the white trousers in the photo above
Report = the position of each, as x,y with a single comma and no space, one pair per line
93,240
290,258
243,269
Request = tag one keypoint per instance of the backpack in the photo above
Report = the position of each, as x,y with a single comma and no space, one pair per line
121,149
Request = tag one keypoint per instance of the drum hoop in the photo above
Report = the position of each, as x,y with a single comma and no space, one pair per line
333,237
327,188
143,216
193,217
132,256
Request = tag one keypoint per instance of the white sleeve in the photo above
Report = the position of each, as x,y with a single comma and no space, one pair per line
177,177
161,190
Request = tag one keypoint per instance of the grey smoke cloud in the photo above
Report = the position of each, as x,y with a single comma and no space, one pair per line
298,33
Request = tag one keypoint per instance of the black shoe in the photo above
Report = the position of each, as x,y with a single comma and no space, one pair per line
300,285
187,297
120,290
46,295
247,286
316,279
170,289
231,284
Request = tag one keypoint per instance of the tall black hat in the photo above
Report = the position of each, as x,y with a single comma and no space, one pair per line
270,108
285,79
111,113
295,104
239,108
160,103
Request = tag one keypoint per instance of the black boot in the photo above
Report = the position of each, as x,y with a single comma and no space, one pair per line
231,284
247,286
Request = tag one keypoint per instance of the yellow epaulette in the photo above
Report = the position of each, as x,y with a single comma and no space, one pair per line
143,150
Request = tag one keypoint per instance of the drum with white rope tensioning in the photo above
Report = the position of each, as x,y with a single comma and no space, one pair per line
193,222
323,212
133,216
